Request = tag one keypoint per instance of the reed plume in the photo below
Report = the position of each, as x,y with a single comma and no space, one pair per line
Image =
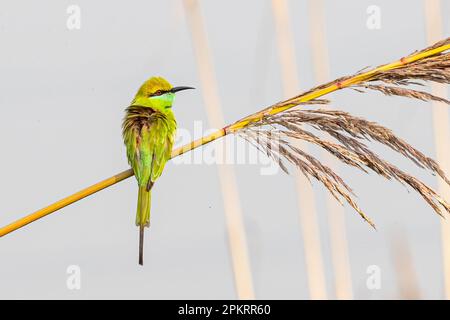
273,133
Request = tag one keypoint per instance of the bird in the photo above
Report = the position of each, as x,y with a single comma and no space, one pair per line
148,131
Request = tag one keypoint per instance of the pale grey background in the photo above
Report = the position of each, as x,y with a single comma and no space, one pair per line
62,99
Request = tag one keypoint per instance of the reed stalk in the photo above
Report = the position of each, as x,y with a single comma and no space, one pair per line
432,59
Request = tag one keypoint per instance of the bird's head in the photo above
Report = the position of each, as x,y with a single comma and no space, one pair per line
157,93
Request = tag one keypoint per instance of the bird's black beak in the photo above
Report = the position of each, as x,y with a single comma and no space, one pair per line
176,89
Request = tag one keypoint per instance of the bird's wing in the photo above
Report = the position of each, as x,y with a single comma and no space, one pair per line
161,141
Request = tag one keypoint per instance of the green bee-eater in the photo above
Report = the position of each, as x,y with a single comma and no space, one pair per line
148,130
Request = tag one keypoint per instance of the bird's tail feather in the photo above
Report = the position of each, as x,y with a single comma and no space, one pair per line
143,217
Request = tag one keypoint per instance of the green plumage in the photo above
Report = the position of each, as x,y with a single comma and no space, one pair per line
149,129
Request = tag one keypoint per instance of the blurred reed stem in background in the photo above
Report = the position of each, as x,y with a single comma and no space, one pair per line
405,273
233,214
433,19
335,212
310,230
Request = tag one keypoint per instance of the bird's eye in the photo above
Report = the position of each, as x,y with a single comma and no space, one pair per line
156,93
